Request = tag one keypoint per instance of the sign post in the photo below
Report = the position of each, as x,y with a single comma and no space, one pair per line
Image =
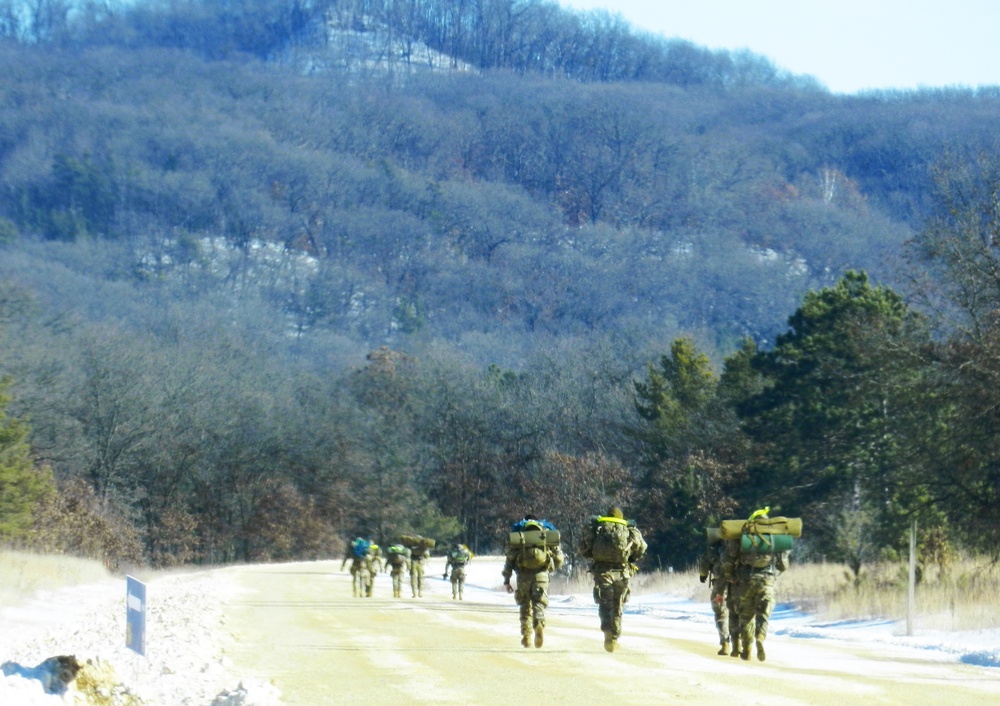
135,615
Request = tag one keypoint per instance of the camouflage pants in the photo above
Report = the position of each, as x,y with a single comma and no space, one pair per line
532,596
719,598
361,581
756,603
457,581
733,593
396,573
417,577
610,594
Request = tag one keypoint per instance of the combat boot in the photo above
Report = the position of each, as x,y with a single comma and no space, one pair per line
538,635
760,650
745,652
736,649
526,640
724,647
610,643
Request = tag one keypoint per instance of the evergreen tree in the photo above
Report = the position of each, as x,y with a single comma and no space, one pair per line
828,418
22,486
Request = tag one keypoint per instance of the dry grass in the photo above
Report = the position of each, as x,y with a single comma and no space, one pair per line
965,597
22,574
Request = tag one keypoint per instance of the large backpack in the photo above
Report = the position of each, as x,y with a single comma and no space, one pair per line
396,555
611,541
360,547
530,540
460,557
532,557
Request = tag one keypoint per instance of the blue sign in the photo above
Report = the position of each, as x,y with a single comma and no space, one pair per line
135,615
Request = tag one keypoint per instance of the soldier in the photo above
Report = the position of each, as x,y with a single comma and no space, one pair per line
419,555
357,553
614,545
532,565
372,568
458,557
757,597
711,569
397,558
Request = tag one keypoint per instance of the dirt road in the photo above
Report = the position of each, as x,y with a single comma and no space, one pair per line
299,626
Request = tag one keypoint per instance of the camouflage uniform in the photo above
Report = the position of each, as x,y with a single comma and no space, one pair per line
611,580
362,568
418,557
396,571
458,557
757,597
532,594
372,567
711,568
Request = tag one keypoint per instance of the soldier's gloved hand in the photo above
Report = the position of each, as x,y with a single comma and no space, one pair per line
510,589
702,578
444,576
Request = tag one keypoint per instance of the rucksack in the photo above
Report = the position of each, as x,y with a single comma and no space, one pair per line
532,557
611,542
360,547
396,555
530,541
460,557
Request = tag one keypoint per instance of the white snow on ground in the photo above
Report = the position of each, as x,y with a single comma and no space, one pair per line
185,665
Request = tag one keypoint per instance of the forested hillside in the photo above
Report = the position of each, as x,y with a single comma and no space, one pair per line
274,273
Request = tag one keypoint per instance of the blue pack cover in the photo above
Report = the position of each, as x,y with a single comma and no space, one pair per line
522,525
360,547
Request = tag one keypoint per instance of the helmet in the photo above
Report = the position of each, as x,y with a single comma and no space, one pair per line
615,512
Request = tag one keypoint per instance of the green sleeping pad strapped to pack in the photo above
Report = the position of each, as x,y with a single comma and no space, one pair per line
417,542
734,529
534,538
766,543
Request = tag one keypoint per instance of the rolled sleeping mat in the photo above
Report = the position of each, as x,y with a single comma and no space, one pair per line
766,543
733,529
534,538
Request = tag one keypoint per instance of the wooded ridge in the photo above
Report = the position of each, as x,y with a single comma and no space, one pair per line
276,273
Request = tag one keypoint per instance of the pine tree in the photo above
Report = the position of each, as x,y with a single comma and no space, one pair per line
22,486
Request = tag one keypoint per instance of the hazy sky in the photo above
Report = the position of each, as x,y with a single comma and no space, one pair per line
848,45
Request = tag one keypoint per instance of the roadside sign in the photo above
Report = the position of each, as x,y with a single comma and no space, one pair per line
135,615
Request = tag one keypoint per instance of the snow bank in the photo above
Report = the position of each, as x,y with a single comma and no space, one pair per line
184,663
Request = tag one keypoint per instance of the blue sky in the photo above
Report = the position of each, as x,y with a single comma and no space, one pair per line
848,45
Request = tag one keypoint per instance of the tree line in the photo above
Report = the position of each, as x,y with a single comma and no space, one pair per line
212,444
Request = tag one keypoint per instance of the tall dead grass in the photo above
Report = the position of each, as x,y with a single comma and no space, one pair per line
23,574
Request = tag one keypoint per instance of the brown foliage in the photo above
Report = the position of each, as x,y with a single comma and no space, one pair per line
287,525
73,521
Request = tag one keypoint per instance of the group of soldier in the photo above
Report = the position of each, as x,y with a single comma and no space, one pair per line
742,584
741,593
412,557
612,570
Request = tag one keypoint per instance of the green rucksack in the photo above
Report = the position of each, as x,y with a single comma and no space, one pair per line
397,555
611,541
532,557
